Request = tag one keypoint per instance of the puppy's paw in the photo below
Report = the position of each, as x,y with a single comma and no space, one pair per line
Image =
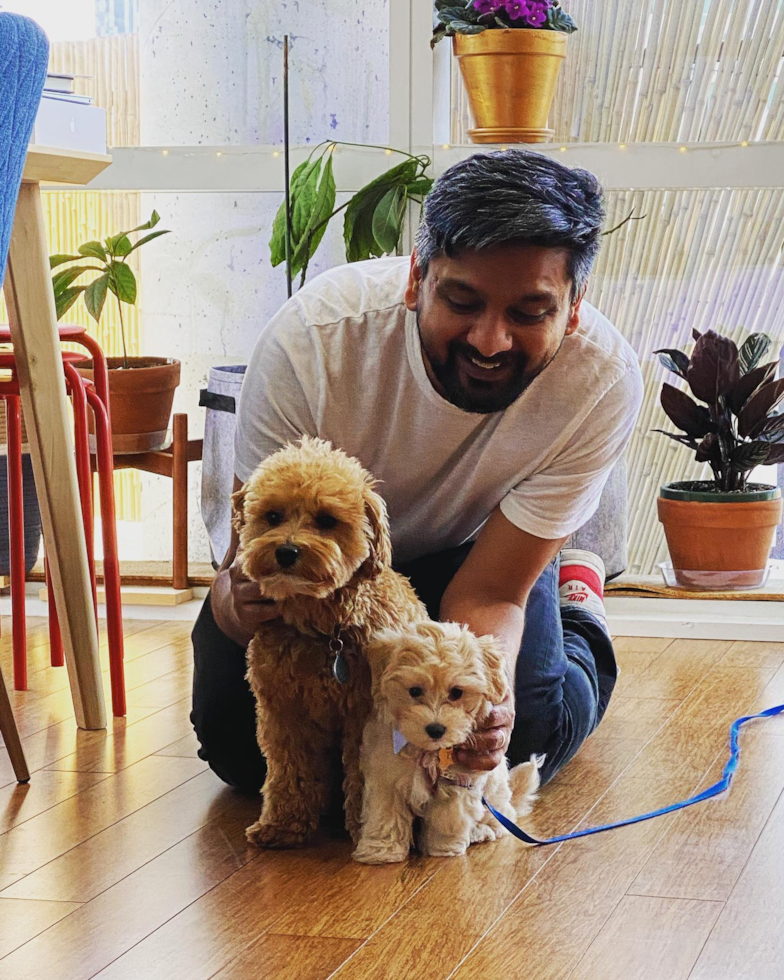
277,838
371,851
481,833
446,849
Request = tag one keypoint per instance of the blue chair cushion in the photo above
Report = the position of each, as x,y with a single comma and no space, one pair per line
24,55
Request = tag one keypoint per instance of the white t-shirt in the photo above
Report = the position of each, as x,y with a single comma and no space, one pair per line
342,360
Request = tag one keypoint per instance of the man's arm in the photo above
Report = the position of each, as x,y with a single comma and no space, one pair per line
237,605
488,594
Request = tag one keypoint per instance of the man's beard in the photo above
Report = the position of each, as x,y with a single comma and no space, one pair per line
476,395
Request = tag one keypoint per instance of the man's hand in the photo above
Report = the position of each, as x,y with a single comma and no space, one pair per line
487,745
237,604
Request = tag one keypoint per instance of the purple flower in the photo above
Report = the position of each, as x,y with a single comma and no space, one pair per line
537,12
516,9
488,6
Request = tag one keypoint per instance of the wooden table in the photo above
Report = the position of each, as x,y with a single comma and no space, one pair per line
31,312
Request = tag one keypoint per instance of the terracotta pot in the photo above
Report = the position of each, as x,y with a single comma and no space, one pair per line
510,78
723,538
141,398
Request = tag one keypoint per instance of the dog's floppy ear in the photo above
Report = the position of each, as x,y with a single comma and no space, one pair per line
494,661
238,508
380,556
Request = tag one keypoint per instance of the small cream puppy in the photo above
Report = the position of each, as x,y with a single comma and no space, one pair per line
432,683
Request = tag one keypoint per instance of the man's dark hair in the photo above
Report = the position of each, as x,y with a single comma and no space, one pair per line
512,197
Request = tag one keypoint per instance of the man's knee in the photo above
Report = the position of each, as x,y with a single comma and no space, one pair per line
224,711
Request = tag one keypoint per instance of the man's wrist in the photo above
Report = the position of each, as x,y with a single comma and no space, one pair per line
223,611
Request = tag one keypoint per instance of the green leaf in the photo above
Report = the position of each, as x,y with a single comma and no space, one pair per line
122,246
95,296
388,219
66,299
559,20
64,279
674,360
463,27
125,281
419,187
757,409
55,260
149,238
322,210
278,241
358,224
94,250
449,14
752,351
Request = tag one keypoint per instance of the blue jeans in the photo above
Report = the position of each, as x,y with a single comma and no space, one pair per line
565,675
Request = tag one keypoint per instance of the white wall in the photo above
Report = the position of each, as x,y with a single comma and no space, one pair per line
211,74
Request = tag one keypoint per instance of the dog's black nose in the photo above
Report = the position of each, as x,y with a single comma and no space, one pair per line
435,731
286,555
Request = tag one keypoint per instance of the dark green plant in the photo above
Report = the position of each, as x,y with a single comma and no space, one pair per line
736,428
476,16
109,260
374,217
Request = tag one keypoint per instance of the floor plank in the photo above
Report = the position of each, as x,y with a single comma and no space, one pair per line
22,802
288,958
20,921
649,939
43,838
676,671
747,942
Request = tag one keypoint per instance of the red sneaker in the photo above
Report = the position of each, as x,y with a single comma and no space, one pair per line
581,581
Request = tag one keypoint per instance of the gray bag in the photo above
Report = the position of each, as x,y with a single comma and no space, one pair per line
220,398
605,533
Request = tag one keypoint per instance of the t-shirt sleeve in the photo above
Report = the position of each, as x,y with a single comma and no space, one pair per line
556,501
280,391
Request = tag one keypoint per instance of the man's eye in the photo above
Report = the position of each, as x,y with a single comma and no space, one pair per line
462,307
274,517
326,521
416,692
455,694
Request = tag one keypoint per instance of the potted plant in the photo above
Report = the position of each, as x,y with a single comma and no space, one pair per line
141,389
509,52
719,532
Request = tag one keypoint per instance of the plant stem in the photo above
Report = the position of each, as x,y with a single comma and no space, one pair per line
126,363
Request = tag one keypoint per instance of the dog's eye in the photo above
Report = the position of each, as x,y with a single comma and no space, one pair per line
274,517
326,521
455,694
415,692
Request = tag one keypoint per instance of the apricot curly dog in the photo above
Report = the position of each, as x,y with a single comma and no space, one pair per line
314,535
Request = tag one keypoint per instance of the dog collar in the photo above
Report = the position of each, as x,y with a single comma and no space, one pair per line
436,765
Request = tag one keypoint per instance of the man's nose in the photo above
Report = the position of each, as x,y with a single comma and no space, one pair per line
490,336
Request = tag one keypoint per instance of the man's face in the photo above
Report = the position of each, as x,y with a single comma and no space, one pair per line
490,321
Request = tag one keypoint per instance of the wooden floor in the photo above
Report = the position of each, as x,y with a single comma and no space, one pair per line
125,857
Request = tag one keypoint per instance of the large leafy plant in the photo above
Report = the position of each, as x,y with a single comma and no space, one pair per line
737,427
374,217
110,260
475,16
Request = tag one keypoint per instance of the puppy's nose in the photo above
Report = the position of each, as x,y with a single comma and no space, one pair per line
286,555
435,731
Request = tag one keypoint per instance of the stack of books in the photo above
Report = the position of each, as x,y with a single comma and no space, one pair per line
61,87
67,120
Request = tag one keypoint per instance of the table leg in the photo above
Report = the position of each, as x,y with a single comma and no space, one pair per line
180,501
31,312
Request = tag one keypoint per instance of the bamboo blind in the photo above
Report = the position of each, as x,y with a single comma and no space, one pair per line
708,258
664,70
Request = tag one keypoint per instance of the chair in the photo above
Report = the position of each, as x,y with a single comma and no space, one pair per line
24,55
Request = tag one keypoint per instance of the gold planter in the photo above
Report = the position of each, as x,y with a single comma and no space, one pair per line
510,78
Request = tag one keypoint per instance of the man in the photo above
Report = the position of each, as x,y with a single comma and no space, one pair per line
492,403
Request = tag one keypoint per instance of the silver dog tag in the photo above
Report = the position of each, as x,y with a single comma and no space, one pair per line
340,667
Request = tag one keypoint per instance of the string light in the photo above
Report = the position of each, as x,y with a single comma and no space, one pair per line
388,152
445,146
165,153
219,154
621,146
563,149
276,153
683,149
744,143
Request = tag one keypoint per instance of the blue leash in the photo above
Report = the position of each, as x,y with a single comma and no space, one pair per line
719,787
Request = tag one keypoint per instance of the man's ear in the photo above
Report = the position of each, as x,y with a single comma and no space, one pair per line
574,315
494,660
238,508
380,556
414,283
